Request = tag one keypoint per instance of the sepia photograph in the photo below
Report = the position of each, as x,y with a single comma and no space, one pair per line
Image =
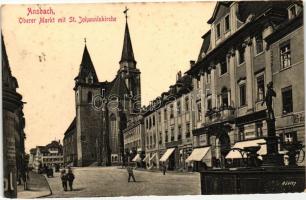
116,99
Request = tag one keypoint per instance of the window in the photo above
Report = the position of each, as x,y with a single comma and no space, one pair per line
166,134
165,114
260,87
227,23
241,133
187,130
199,111
179,136
242,91
147,124
218,31
178,105
208,77
285,55
187,104
172,134
171,111
198,82
153,120
290,137
292,12
287,100
223,66
259,43
241,56
150,123
89,97
224,96
209,103
258,127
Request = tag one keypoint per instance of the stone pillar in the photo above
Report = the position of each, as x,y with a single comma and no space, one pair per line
202,94
232,71
213,87
249,74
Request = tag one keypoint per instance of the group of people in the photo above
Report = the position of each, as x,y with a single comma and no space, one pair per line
67,178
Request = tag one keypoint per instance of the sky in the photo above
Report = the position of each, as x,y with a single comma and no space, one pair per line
45,58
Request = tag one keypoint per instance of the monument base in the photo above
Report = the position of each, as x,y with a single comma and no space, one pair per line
253,180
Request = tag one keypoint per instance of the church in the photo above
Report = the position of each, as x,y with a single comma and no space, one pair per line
95,136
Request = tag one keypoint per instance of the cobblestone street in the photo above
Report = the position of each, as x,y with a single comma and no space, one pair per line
112,181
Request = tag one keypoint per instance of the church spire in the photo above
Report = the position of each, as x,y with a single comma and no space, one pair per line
127,51
87,73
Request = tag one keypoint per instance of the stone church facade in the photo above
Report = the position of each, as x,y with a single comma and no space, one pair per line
95,136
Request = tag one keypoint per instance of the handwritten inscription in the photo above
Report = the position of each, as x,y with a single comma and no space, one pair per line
48,16
289,183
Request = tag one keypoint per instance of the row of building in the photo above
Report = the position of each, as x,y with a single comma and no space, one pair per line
218,104
50,155
14,156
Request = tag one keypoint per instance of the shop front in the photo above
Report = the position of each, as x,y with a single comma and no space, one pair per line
200,158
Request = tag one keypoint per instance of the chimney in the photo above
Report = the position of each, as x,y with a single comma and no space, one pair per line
192,62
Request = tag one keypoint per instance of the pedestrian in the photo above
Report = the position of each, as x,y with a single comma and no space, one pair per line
64,179
131,173
164,168
70,178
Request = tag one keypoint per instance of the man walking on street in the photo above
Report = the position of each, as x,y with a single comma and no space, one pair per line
164,168
131,173
64,179
70,178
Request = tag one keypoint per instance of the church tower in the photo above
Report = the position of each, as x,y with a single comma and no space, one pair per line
128,70
88,119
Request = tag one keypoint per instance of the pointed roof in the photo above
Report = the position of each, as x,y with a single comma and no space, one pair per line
119,88
86,68
127,50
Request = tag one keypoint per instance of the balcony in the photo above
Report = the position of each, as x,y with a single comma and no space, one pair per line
221,114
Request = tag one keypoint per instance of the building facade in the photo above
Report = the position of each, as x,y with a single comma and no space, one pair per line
168,122
13,129
103,109
134,140
50,155
235,64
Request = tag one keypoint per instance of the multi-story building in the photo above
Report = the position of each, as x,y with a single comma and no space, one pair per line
70,146
168,122
134,140
50,155
249,45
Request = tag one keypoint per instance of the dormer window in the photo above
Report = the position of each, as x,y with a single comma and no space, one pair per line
227,25
218,31
292,11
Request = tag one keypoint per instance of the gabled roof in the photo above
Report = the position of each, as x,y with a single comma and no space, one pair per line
217,7
127,50
86,68
205,44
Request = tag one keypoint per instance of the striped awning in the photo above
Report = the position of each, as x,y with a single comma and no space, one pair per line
258,142
137,158
166,155
198,154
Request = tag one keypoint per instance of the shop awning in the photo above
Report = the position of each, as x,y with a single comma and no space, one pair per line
137,158
236,154
166,155
146,159
198,154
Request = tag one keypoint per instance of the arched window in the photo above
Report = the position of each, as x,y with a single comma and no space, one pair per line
89,97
